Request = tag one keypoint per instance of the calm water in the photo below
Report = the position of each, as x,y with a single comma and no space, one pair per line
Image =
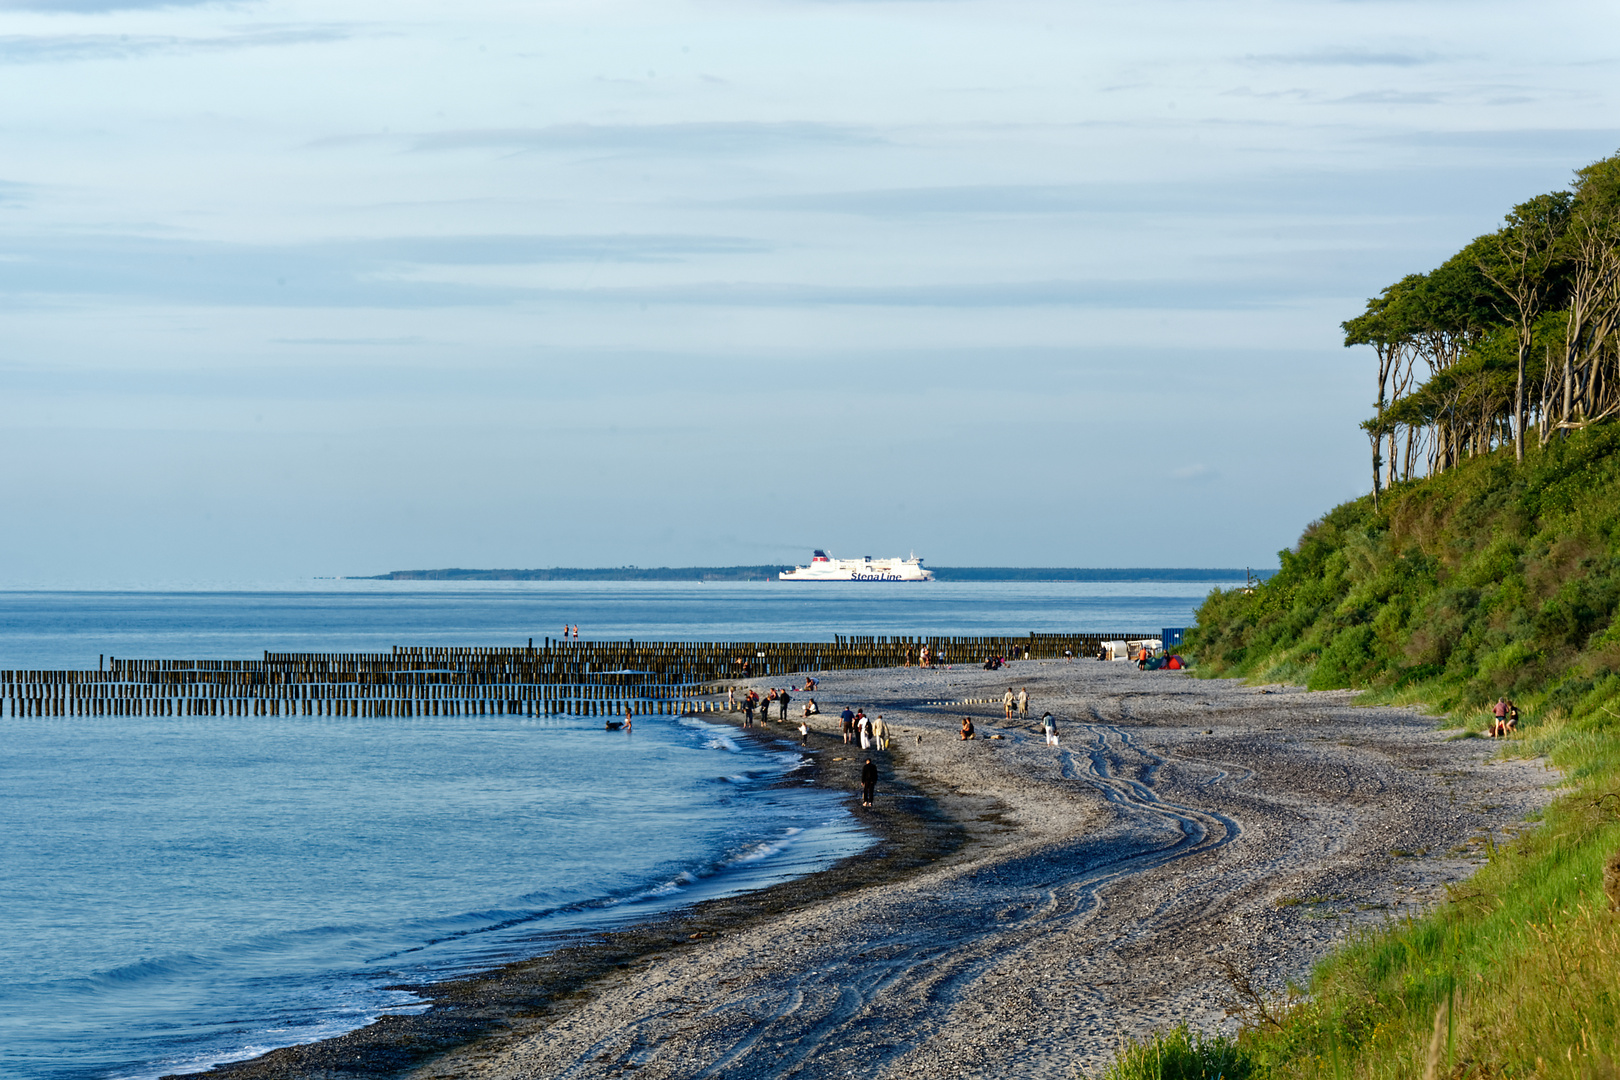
187,890
72,629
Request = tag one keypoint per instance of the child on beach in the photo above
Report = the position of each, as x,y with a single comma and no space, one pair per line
967,728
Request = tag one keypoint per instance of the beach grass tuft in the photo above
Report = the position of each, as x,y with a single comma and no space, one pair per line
1181,1054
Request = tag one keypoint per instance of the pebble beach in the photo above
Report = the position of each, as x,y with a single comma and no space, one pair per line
1026,906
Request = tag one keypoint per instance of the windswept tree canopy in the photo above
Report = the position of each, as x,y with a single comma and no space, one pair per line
1516,332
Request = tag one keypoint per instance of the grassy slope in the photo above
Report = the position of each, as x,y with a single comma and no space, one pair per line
1495,578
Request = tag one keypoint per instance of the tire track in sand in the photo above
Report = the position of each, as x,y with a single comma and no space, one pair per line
882,1008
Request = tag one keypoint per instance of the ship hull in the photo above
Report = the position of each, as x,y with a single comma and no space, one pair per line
825,569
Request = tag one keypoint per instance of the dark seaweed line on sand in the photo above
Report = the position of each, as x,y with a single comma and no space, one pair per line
912,832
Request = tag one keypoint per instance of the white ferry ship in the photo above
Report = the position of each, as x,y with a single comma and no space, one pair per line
823,568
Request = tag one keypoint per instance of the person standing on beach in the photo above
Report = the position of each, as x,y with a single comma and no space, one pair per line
865,727
748,710
1049,725
1007,700
868,782
847,722
782,705
880,733
1023,703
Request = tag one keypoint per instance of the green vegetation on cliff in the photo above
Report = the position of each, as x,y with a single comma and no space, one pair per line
1491,578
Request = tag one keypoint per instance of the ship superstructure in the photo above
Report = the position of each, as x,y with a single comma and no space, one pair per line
825,568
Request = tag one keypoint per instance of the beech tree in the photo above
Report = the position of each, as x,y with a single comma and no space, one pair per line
1519,327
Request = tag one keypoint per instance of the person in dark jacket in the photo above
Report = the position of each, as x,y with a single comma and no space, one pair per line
868,782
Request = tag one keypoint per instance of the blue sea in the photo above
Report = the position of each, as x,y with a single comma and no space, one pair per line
183,891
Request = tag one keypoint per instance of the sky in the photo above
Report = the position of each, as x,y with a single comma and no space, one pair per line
291,290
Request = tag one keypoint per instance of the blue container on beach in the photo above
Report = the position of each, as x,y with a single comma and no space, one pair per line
1171,636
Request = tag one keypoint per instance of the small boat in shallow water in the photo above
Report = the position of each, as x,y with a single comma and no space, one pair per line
824,568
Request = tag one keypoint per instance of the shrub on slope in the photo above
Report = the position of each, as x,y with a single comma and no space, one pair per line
1491,578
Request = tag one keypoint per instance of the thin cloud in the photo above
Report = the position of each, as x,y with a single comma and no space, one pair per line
701,139
1166,294
60,48
1346,57
95,6
1392,97
1299,191
354,273
349,341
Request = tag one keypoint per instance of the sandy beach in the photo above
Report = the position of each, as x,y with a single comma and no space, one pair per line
1026,907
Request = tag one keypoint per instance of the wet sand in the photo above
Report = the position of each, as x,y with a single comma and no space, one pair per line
1026,906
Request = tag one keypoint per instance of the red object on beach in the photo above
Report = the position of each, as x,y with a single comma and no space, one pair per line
1174,663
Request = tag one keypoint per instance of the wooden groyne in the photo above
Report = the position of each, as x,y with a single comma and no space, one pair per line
575,677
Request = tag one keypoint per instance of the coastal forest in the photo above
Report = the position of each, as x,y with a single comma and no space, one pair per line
1510,340
1483,563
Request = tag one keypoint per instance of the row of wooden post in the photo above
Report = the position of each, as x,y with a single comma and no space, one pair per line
573,677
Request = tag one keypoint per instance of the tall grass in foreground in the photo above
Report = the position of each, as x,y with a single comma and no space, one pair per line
1493,578
1181,1054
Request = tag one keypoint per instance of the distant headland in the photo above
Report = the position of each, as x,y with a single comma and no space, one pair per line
768,573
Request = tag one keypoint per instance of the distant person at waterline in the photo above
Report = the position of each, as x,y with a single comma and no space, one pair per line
782,705
868,782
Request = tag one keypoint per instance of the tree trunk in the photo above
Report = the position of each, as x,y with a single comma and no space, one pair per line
1518,397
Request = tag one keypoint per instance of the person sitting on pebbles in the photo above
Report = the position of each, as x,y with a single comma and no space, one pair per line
967,728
